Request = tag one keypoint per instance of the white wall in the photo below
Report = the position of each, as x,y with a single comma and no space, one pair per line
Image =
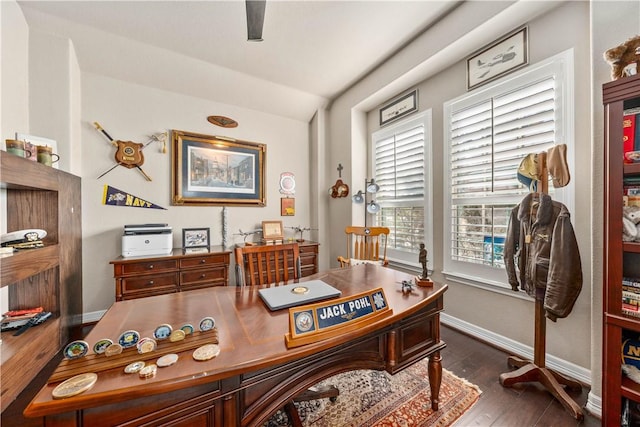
133,112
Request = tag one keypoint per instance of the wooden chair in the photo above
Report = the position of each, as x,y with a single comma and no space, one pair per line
267,265
365,245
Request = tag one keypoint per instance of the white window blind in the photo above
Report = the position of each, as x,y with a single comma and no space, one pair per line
489,133
399,170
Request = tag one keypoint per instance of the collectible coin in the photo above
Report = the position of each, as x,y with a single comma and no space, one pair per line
187,328
74,385
167,360
146,345
300,290
148,371
76,349
207,323
101,346
206,352
134,367
162,332
129,339
177,335
113,349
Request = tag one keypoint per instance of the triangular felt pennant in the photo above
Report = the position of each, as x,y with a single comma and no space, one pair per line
113,196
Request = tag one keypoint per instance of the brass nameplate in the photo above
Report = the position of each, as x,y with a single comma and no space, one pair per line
319,321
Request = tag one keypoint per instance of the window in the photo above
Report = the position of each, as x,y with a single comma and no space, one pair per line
401,160
487,133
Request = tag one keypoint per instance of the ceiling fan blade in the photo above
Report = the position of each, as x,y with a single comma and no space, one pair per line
255,19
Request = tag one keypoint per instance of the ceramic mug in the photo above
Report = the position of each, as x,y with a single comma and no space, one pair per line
17,148
45,156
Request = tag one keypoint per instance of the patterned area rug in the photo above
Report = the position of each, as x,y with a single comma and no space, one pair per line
375,398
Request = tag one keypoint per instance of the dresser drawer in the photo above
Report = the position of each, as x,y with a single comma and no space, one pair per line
167,282
205,275
204,260
147,267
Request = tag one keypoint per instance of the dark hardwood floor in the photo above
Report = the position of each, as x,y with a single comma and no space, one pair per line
521,405
477,362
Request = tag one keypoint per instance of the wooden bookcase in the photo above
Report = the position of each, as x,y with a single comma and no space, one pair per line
621,259
38,196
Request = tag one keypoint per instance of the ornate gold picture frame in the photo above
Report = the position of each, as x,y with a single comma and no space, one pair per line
217,171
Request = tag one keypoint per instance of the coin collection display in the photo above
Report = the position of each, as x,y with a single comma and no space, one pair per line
130,339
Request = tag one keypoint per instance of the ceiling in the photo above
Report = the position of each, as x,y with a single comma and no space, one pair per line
312,50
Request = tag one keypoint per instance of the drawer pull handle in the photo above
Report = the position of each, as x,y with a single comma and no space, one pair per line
150,282
202,261
150,266
202,276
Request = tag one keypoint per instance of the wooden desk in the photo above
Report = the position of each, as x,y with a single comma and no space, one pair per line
255,374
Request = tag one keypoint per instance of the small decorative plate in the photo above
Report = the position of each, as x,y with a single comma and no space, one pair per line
76,349
101,346
163,331
167,360
187,328
207,323
206,352
134,367
74,385
129,339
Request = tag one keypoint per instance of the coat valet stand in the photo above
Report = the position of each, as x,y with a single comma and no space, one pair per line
536,371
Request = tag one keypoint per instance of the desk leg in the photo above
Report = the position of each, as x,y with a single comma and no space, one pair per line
435,378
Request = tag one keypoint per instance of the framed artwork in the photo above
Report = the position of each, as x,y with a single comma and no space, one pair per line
195,237
287,206
217,171
272,230
501,57
400,107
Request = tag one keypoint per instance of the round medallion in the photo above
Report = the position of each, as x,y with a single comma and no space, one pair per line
167,360
187,328
162,332
300,290
149,371
76,349
101,346
129,339
74,385
304,321
207,323
206,352
134,367
146,345
177,335
113,350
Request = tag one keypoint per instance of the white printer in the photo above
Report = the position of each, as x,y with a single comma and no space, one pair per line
147,239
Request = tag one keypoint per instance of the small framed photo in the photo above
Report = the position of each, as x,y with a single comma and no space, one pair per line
501,57
272,230
287,206
195,237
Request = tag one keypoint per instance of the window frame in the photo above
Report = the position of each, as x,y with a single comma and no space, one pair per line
559,66
398,257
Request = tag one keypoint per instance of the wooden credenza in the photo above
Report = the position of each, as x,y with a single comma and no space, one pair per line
139,277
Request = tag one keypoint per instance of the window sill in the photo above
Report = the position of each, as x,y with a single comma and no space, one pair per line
496,287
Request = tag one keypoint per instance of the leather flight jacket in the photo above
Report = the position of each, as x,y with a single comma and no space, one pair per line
541,254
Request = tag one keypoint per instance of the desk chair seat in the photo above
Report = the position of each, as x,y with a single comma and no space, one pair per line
267,265
365,245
